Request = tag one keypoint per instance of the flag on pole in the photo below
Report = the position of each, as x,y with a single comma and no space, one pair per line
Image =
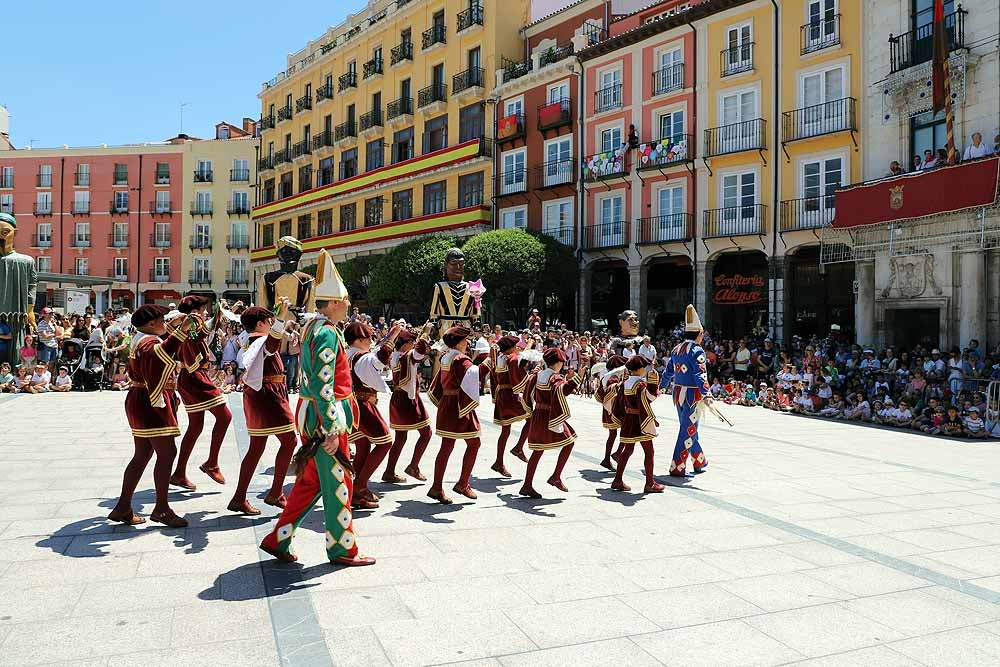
942,76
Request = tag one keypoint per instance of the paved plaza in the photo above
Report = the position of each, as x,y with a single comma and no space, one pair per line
808,542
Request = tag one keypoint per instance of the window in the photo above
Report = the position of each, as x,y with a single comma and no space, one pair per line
81,201
436,134
405,93
820,93
670,201
241,201
82,266
349,163
203,202
612,231
83,174
373,211
514,217
739,107
348,217
822,23
44,264
162,173
305,227
513,107
202,270
437,79
7,177
559,161
557,220
375,154
238,269
738,133
324,222
224,132
44,234
438,20
239,233
472,122
241,169
670,73
470,190
121,174
670,209
612,211
672,126
161,235
43,203
268,191
121,268
305,178
435,197
326,173
738,54
45,176
204,172
121,201
267,236
162,204
558,92
285,186
475,60
512,179
284,228
820,178
161,268
202,235
611,139
82,233
402,145
609,95
739,196
402,205
7,203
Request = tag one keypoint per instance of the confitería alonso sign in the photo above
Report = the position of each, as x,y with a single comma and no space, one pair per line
738,289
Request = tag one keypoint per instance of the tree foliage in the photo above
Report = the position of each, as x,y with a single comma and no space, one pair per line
509,262
557,284
406,274
355,272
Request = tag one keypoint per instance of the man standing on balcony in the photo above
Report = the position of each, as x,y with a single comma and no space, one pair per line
19,279
288,281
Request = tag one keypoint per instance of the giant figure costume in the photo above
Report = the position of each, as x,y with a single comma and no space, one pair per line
296,286
18,282
452,304
687,369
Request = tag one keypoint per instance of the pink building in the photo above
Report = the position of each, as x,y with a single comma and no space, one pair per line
111,213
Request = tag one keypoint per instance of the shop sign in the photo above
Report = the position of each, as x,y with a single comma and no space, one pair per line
738,289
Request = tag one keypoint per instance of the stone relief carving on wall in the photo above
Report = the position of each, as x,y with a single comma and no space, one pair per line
911,277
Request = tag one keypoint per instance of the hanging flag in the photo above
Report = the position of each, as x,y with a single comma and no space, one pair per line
940,56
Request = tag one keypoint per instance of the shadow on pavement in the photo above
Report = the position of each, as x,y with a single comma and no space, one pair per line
491,484
601,476
624,498
427,511
532,506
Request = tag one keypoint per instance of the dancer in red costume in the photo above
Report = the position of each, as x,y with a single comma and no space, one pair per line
265,404
549,428
639,424
509,375
199,395
607,393
406,409
371,438
151,408
455,392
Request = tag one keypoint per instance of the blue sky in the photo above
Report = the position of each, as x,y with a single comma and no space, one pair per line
84,74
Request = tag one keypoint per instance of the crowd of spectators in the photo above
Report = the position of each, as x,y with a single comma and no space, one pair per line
931,159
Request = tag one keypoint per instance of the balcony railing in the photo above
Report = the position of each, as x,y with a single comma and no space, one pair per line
808,212
237,242
238,208
515,70
348,80
266,122
345,131
668,79
666,228
470,17
239,175
265,163
827,118
607,235
563,233
554,54
40,242
282,156
605,165
301,148
163,178
115,208
119,276
371,68
665,151
159,240
304,103
436,92
746,136
81,208
322,140
371,119
42,209
510,127
284,113
159,276
434,35
44,180
470,78
159,208
820,34
79,241
402,106
120,178
200,242
555,114
200,277
202,175
917,46
737,59
556,172
747,220
118,240
237,278
201,208
81,178
512,181
607,98
401,52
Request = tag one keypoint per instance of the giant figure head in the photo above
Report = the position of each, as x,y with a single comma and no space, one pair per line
289,253
454,265
8,229
628,323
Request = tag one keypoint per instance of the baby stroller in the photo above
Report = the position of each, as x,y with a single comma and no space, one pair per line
90,375
71,355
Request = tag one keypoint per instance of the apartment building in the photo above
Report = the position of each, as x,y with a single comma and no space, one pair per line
380,130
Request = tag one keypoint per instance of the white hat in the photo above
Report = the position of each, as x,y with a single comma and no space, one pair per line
691,320
329,285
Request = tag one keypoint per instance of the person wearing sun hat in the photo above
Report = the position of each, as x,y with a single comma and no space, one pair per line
151,408
326,413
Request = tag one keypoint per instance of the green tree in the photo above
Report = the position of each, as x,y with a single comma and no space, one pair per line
555,291
356,274
509,262
405,276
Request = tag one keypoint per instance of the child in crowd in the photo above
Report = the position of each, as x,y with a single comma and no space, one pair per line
879,412
749,396
63,381
120,381
860,410
716,388
835,408
6,379
230,382
22,381
901,416
952,424
975,427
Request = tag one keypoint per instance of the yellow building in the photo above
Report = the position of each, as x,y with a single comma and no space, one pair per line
215,241
378,130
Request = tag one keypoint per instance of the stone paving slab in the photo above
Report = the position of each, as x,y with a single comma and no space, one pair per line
808,542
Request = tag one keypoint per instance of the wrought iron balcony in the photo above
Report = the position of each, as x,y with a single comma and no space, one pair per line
239,175
44,180
118,240
515,70
238,208
610,164
322,140
554,54
282,156
202,175
563,233
512,181
746,136
40,242
371,119
237,242
159,276
324,92
301,148
284,113
436,92
116,208
41,210
200,277
607,235
808,212
555,173
668,79
237,278
159,240
820,34
434,35
371,68
737,59
345,131
348,80
665,152
81,178
200,242
303,103
80,208
266,122
160,208
917,46
470,17
746,220
555,114
401,52
469,79
607,98
401,107
819,119
510,127
80,241
666,228
201,208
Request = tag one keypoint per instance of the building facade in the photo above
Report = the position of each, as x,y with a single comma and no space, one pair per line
107,212
380,131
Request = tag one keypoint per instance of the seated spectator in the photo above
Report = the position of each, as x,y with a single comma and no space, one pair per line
881,386
975,427
6,379
28,353
977,149
824,391
716,389
901,416
40,380
880,411
120,381
22,381
749,395
952,424
996,145
860,411
63,381
835,408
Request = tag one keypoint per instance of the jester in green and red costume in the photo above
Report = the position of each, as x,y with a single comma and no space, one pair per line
326,413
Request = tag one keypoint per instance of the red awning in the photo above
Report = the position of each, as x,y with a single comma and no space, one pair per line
161,294
920,194
121,292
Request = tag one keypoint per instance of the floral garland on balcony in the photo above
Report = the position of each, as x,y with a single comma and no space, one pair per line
602,164
662,150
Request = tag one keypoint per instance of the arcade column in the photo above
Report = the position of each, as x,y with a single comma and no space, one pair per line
972,306
778,303
638,277
703,271
583,299
864,304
